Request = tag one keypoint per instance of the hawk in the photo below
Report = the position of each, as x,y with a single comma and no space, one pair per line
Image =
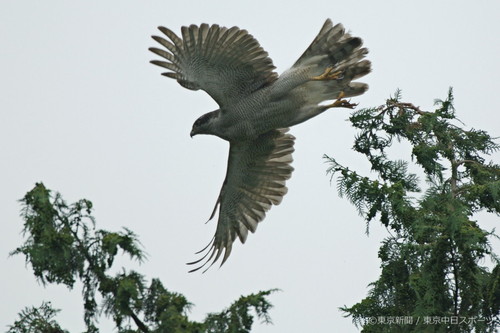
256,109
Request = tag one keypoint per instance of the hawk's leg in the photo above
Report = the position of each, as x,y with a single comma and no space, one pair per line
340,103
328,75
309,111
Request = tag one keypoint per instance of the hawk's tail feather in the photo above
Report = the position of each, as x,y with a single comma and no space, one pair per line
333,47
336,51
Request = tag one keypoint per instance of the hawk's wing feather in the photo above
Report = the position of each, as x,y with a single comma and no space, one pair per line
228,64
255,180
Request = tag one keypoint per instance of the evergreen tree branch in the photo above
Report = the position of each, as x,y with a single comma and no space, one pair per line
431,263
63,246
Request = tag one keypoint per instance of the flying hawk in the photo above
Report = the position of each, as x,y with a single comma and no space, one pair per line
256,109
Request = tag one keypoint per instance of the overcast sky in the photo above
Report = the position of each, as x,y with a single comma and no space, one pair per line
82,110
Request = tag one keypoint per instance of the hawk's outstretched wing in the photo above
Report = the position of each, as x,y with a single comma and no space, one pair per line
255,180
227,63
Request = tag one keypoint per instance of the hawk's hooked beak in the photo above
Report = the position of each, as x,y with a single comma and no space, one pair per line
194,130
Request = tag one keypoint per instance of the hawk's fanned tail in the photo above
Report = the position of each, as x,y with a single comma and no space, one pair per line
337,49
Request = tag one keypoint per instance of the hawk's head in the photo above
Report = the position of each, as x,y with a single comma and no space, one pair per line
205,124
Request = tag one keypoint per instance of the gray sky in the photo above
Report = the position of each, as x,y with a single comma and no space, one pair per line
82,110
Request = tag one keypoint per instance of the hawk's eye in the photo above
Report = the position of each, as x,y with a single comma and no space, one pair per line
198,122
203,119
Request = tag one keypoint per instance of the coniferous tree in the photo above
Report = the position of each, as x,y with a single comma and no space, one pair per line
431,275
63,247
37,320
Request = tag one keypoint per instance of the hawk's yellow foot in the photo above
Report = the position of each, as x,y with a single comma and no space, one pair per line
328,75
341,103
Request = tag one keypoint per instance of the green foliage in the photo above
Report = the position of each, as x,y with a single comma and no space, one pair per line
166,311
237,319
431,261
63,246
36,320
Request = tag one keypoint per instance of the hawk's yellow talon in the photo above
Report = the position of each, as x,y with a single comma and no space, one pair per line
328,75
341,103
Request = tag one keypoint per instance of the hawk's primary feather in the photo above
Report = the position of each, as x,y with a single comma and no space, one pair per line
228,64
255,180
